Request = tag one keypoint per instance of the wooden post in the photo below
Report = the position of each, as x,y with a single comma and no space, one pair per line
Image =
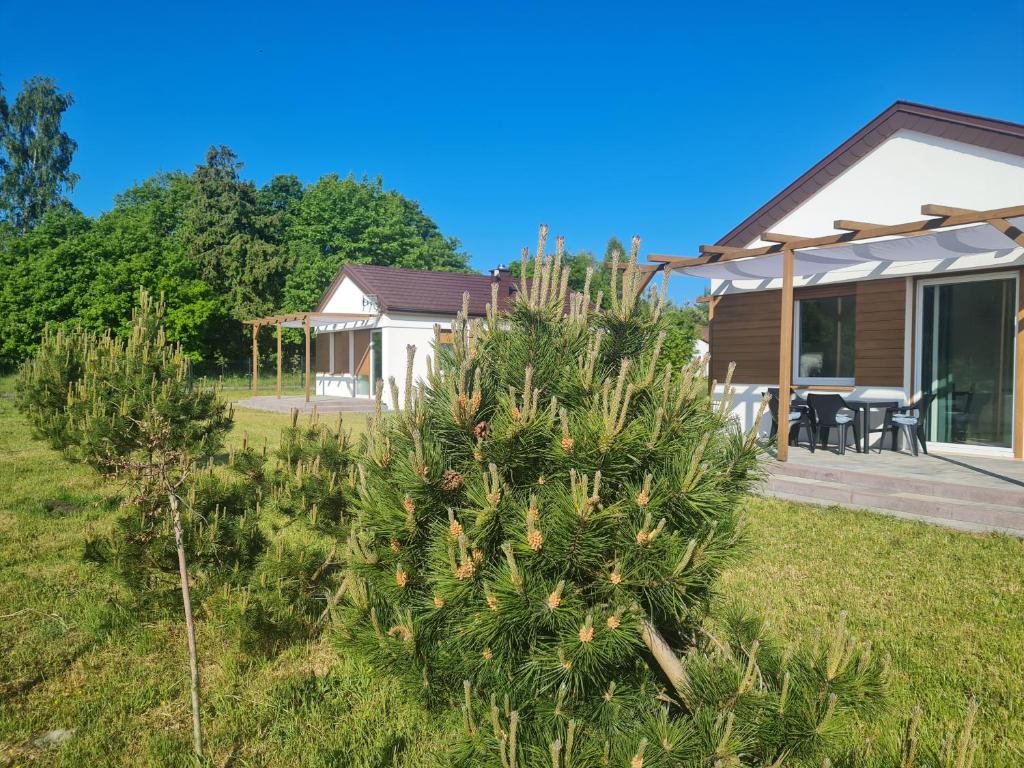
305,327
1018,384
255,359
279,360
785,355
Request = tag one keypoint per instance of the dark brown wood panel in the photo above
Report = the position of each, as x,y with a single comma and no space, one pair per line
341,352
881,320
322,352
746,330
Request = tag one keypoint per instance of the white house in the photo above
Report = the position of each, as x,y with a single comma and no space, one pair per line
921,310
369,315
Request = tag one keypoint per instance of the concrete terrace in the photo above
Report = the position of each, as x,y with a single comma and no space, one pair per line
965,492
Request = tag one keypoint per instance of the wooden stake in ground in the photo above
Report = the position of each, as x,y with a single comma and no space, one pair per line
190,627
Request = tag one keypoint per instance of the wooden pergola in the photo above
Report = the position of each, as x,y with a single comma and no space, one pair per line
304,320
939,217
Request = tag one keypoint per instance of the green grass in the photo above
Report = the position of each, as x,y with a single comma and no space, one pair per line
946,606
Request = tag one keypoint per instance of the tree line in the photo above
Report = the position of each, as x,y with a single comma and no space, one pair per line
218,248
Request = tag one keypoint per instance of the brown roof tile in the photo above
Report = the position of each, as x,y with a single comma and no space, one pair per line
415,290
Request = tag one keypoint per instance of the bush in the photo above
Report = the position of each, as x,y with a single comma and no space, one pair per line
542,526
47,379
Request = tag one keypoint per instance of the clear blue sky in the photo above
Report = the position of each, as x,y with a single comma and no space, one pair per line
673,122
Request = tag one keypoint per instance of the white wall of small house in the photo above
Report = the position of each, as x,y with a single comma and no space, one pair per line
888,186
398,331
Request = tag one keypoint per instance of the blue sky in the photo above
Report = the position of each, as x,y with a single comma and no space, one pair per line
673,122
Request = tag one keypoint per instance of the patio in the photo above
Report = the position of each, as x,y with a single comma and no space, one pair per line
955,490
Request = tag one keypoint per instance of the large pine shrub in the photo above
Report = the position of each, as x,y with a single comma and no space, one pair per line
540,530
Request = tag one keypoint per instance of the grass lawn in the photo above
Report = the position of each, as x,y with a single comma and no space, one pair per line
946,606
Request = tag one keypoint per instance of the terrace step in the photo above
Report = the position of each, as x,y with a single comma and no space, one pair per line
1010,495
935,507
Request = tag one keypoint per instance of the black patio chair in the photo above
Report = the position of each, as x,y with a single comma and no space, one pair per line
827,416
800,417
913,420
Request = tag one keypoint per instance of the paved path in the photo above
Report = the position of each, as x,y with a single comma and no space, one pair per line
322,403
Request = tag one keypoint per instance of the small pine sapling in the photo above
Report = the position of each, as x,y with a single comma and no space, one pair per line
138,416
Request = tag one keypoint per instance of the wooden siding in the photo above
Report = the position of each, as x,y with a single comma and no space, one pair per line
746,330
340,352
881,319
322,352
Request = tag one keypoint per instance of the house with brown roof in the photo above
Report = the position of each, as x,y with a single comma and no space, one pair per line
879,305
370,314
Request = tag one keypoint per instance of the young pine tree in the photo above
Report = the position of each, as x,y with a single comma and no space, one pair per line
540,530
137,414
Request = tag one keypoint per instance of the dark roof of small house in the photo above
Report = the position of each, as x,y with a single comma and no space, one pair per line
984,132
417,290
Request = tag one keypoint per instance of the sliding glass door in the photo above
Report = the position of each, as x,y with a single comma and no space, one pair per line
966,358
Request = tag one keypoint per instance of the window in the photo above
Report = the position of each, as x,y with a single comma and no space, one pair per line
825,340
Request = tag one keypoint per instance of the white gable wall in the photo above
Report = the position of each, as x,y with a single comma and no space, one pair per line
347,297
888,186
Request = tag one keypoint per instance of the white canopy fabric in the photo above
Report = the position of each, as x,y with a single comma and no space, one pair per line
941,244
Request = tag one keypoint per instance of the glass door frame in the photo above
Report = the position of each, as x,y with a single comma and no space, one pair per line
972,277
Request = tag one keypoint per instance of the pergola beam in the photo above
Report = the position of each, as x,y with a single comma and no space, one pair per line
852,225
778,237
719,249
954,219
294,317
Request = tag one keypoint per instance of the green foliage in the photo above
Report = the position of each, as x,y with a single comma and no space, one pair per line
217,249
683,326
232,238
340,221
136,399
223,540
35,153
46,380
551,507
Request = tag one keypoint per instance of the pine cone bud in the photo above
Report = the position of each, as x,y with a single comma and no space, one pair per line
613,622
492,602
478,555
409,504
451,481
567,444
438,601
395,547
616,577
554,600
643,499
400,577
586,634
465,571
516,413
480,429
488,654
642,537
535,539
455,528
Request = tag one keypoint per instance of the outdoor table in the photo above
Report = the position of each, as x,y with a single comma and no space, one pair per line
863,409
